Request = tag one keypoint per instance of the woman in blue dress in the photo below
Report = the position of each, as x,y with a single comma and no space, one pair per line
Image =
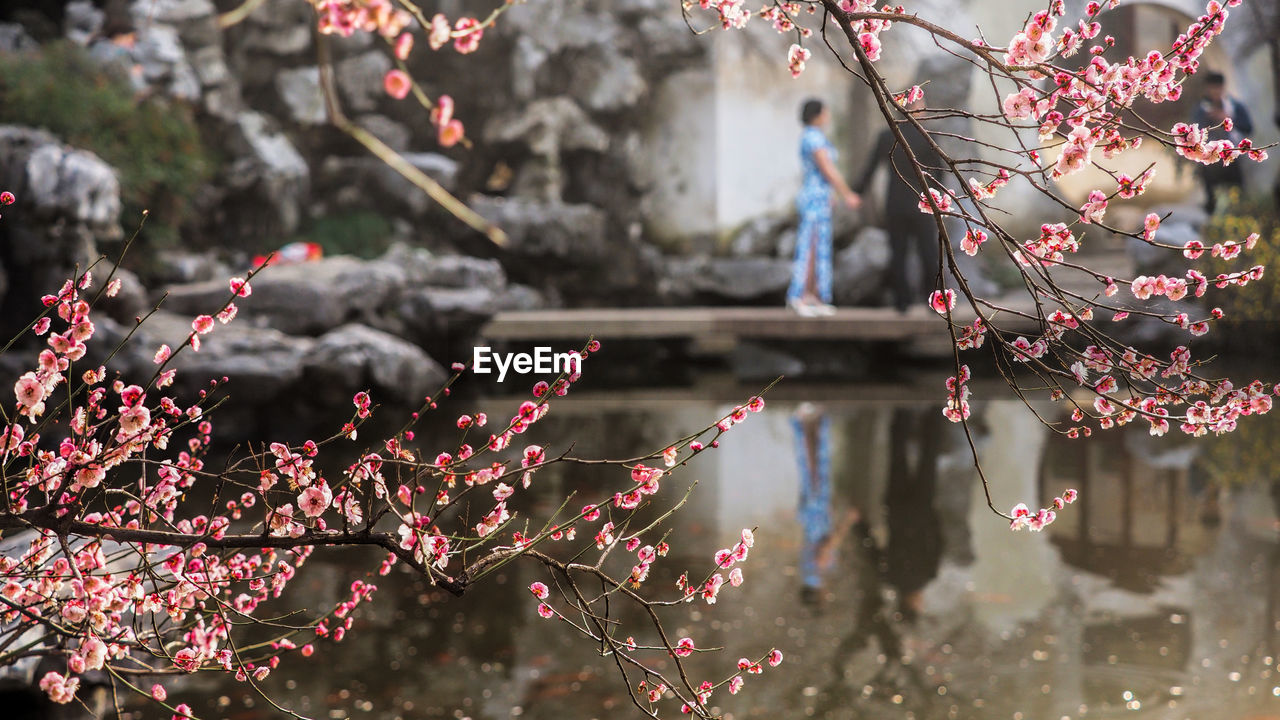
810,291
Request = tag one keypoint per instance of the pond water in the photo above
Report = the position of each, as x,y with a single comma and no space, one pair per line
891,588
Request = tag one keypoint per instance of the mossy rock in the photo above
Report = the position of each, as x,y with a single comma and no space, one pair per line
152,142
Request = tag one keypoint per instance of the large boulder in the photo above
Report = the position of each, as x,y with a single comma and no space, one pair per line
303,299
448,271
860,272
381,186
175,266
544,131
701,279
268,181
354,357
59,183
130,301
299,89
444,321
68,201
359,79
14,38
424,268
261,363
277,28
759,236
548,230
163,61
605,80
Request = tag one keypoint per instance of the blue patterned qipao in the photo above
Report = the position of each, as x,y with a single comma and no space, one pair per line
814,205
814,511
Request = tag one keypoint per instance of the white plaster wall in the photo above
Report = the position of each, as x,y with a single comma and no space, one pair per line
679,157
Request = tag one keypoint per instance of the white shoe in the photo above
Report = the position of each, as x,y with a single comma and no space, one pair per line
824,310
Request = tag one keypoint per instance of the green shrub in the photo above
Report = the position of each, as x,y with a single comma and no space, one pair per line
1259,301
153,143
362,233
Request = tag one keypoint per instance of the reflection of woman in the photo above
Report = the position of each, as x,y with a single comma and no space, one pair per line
810,291
813,457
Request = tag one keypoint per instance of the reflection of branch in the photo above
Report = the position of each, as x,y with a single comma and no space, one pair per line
237,16
393,159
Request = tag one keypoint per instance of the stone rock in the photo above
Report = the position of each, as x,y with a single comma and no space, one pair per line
639,7
787,244
278,27
302,299
457,291
72,184
559,24
59,182
758,237
548,126
668,41
476,302
67,201
171,12
210,66
526,59
444,321
446,271
540,229
353,43
394,134
860,271
224,102
261,363
299,88
354,357
182,266
380,183
269,174
607,81
521,297
739,280
130,301
545,130
158,51
359,79
82,21
14,39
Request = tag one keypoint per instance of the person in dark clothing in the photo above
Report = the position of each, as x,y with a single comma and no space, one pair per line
1213,110
911,232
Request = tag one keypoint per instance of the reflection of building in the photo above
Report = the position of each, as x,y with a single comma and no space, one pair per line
1126,524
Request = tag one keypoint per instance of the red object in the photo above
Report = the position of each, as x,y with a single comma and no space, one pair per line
291,254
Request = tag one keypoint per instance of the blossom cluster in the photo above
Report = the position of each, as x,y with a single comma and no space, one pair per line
1023,517
957,407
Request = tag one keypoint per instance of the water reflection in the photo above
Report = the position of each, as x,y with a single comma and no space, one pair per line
917,602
